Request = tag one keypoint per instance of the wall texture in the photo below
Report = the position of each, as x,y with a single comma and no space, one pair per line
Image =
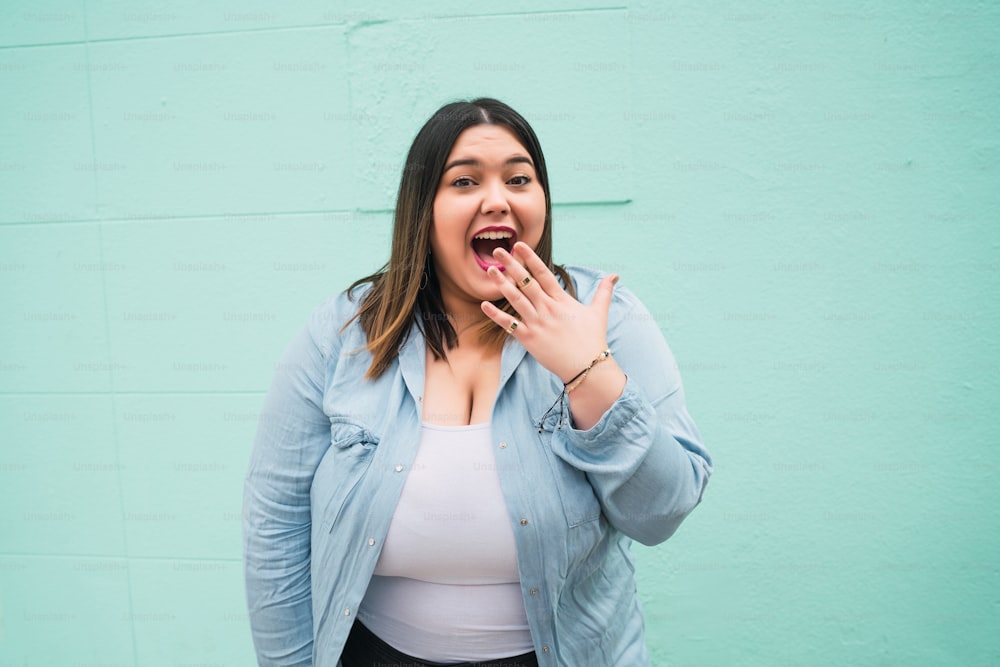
804,194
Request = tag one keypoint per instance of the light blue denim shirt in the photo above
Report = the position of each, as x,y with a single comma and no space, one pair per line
333,450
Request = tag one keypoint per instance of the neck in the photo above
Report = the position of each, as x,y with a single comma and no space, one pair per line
467,325
463,315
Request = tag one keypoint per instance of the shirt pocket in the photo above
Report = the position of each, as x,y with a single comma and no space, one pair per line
579,502
352,448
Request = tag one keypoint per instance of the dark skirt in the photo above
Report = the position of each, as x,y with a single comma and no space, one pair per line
365,649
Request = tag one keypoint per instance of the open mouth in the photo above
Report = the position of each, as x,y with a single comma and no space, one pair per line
489,239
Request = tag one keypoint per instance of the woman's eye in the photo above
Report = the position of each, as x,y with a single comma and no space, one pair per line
520,180
463,182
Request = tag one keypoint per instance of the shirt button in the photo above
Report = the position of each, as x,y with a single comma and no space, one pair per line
524,522
399,467
545,649
347,612
534,591
503,445
371,541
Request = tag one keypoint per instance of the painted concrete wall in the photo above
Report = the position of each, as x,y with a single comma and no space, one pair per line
804,194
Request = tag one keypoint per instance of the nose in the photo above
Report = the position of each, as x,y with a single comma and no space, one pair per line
494,198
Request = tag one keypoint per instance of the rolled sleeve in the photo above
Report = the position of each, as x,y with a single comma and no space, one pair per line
644,457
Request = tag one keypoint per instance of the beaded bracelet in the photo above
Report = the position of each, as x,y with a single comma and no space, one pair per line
574,382
578,379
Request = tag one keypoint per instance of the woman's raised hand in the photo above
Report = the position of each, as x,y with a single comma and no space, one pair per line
561,333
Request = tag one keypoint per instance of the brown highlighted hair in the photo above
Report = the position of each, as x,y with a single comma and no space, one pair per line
406,290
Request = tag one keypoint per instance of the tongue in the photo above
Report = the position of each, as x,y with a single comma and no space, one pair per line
485,247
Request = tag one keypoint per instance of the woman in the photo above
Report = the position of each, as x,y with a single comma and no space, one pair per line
412,498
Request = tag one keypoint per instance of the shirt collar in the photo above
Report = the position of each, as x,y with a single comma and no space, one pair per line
413,357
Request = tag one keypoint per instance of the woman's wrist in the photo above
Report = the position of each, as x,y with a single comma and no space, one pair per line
605,383
578,379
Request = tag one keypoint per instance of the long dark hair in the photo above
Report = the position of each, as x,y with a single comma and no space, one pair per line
406,289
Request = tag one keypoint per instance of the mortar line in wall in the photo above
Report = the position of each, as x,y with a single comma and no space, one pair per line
36,223
185,559
179,35
8,47
232,217
107,338
630,92
495,15
500,15
139,38
140,392
189,559
237,217
603,202
350,93
348,25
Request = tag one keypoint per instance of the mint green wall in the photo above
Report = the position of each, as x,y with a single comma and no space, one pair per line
804,194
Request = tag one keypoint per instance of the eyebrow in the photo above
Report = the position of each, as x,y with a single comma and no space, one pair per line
476,163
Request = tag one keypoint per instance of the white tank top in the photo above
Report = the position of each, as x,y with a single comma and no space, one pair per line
446,586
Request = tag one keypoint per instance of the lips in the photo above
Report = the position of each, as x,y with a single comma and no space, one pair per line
488,239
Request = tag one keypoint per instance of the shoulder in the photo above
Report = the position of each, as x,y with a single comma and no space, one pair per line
331,324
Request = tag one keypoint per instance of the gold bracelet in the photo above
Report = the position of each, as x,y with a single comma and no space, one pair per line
582,375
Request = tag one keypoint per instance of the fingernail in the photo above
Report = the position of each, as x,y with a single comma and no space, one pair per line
614,279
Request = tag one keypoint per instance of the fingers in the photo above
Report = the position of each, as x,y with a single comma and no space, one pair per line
534,276
513,269
529,274
605,291
507,322
544,278
514,295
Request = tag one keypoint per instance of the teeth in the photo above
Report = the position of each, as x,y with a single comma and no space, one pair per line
494,235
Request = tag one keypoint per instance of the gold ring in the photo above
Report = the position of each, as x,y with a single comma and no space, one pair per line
523,282
513,325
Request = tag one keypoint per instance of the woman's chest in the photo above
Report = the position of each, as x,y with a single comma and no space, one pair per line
460,390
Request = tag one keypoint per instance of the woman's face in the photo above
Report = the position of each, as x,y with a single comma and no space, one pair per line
488,196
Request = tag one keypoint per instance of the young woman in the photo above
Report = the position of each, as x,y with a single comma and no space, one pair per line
456,453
